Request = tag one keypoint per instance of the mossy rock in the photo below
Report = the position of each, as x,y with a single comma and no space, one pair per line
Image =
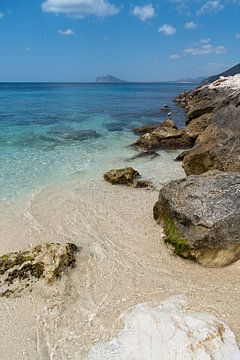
46,262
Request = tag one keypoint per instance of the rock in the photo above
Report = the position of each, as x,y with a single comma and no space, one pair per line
80,134
213,124
127,176
148,153
201,217
182,155
114,127
145,129
124,176
139,183
164,137
169,331
20,270
223,155
169,123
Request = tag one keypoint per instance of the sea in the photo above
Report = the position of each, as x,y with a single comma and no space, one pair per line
41,138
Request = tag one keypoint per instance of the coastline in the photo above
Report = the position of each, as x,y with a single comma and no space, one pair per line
123,262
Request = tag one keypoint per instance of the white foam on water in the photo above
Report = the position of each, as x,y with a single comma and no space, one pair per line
167,332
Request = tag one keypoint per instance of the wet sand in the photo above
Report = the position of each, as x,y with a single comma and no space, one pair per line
123,262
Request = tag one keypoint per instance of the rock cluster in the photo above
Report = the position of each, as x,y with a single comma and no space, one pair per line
201,214
20,270
213,119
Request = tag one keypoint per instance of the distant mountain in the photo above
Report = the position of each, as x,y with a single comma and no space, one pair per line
191,80
109,79
230,72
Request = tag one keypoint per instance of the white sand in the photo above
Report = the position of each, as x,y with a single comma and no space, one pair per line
123,262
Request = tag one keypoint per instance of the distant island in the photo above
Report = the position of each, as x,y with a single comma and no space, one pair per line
230,72
191,80
109,79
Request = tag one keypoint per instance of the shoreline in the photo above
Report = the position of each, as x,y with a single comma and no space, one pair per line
123,262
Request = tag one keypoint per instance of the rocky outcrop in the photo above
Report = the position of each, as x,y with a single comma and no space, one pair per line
127,176
47,262
213,120
201,217
166,135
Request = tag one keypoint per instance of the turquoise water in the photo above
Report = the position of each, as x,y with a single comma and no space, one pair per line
40,124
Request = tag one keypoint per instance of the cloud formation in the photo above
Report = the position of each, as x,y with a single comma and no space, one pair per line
1,15
167,30
144,12
211,7
190,25
174,56
66,32
237,36
80,8
205,49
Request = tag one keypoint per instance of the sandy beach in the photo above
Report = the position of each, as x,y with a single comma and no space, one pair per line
123,262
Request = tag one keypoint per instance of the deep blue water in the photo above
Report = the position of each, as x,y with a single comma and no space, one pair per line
40,123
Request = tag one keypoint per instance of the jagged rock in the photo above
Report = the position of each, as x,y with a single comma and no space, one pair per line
182,155
145,129
148,153
20,270
124,176
164,137
223,155
201,217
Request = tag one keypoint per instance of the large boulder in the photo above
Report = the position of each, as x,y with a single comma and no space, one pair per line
47,262
201,217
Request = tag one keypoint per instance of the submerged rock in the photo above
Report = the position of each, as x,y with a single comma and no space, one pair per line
143,154
81,134
127,176
21,269
201,217
169,332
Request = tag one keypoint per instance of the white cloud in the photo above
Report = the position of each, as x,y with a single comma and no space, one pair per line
205,49
167,29
211,7
237,36
66,32
27,48
1,15
144,12
174,56
80,8
205,41
190,25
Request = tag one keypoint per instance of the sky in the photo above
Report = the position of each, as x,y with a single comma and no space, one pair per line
78,40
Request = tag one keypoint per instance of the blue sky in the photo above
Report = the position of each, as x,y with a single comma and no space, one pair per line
77,40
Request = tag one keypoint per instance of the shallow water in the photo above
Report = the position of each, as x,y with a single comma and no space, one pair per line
39,124
123,262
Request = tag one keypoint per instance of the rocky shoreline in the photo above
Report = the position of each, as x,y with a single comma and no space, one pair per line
201,214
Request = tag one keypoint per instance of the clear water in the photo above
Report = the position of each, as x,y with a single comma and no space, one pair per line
38,123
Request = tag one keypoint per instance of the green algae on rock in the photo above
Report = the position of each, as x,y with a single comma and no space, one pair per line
21,269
